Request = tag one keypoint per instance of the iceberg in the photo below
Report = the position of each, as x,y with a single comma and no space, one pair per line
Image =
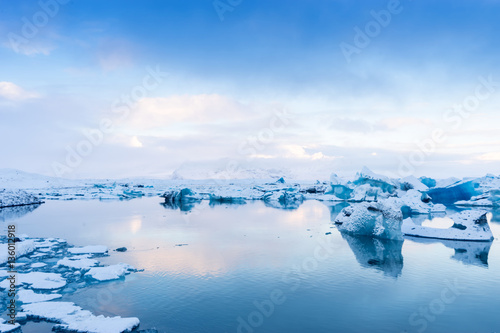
12,198
411,182
184,195
416,203
468,225
380,219
366,176
284,199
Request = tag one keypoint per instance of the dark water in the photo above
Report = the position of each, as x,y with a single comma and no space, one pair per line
251,268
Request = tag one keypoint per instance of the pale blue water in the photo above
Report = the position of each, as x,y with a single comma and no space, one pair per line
240,256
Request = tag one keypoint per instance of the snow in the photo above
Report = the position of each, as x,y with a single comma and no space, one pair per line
29,296
11,198
468,225
112,272
92,249
73,318
6,327
379,219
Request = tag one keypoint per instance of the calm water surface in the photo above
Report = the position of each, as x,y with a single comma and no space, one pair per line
251,268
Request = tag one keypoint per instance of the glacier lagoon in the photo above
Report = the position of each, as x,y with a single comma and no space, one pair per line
252,268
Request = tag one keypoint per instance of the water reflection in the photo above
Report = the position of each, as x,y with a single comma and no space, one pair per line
468,253
182,205
381,254
11,213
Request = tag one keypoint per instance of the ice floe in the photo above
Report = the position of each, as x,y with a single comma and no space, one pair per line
108,273
470,225
74,319
27,296
6,327
92,249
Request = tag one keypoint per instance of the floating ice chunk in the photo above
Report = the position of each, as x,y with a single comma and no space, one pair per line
11,198
78,263
380,219
73,318
4,328
468,225
184,195
38,265
37,280
112,272
286,199
22,248
40,280
91,249
29,296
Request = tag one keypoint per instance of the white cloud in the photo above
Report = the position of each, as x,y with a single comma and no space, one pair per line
162,112
11,91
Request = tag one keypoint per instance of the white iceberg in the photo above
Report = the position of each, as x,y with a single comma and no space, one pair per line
379,219
470,225
413,199
74,319
12,198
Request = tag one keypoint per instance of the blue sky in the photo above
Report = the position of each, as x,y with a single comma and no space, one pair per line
228,79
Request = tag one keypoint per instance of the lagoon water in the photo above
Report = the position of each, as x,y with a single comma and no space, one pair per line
251,268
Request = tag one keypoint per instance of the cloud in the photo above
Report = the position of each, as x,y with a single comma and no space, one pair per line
357,125
11,91
162,112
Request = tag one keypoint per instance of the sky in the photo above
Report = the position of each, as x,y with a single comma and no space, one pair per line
232,88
